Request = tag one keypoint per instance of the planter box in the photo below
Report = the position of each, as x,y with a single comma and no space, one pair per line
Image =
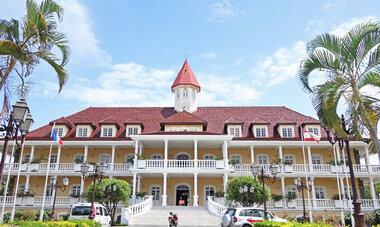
219,164
278,204
336,169
33,167
292,204
73,200
28,201
338,204
18,201
289,169
141,164
24,167
77,167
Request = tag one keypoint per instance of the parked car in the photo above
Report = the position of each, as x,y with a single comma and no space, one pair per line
246,217
83,210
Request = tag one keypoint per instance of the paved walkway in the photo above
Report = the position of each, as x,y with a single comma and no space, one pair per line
187,216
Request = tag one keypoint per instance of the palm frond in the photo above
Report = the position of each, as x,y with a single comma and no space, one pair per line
371,78
49,8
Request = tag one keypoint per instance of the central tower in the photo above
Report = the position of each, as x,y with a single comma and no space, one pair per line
185,88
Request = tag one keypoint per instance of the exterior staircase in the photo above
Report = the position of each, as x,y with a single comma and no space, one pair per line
188,217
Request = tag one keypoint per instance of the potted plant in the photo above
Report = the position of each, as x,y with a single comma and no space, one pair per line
290,197
219,161
277,200
77,163
337,203
288,168
219,197
24,166
335,168
27,198
140,196
235,165
35,164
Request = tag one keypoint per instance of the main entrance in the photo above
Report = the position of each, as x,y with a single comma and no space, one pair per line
182,195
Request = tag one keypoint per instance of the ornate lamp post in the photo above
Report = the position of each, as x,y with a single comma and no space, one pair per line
300,186
244,190
17,118
54,186
97,175
258,171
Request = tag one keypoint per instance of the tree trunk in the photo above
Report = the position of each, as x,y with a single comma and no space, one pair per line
12,64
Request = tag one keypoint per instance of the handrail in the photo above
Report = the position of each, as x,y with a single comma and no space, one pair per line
139,208
215,208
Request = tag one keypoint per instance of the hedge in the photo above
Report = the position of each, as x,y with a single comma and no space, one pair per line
69,223
289,224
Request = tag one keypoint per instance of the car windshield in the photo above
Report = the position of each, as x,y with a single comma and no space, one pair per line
81,210
231,212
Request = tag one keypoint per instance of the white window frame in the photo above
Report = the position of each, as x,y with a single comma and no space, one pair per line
320,189
76,188
108,131
158,198
236,157
208,156
76,156
291,188
313,129
60,131
155,156
182,153
53,157
101,156
261,157
234,130
290,156
81,129
185,94
26,157
206,189
49,190
313,156
260,127
133,130
287,132
127,157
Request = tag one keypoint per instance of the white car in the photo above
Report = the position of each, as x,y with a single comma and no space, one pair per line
246,217
82,211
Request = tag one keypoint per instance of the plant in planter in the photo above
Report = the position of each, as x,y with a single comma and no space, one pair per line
79,160
288,166
219,194
218,156
35,163
276,161
219,161
27,198
335,168
338,203
290,197
277,200
141,194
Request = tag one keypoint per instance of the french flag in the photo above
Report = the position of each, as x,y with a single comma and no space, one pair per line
56,138
308,136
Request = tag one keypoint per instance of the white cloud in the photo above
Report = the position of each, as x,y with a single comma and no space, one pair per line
335,3
343,28
209,55
280,66
222,11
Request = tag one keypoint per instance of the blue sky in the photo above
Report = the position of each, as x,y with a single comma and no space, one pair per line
127,53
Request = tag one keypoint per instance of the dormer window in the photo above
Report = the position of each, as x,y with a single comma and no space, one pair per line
107,131
234,130
59,131
260,131
313,129
133,130
82,132
287,132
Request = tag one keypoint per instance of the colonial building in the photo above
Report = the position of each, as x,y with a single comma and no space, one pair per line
184,153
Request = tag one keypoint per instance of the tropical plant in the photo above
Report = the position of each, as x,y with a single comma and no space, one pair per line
352,65
24,43
219,194
141,194
291,196
245,199
288,162
218,156
278,197
111,201
332,162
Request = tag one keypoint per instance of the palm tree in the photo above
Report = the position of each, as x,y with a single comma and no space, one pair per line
351,64
24,43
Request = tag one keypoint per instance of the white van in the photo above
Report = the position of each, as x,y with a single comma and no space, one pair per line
82,211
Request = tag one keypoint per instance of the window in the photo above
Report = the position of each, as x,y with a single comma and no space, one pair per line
49,191
133,131
313,130
21,188
262,159
178,94
234,131
320,192
208,157
235,159
78,158
75,190
82,132
287,132
107,132
129,158
53,158
26,157
193,94
104,158
292,188
209,191
316,159
261,132
157,156
59,131
155,191
289,159
185,93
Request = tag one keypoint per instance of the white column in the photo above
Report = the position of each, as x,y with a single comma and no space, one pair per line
313,193
136,150
283,190
27,183
280,152
58,157
164,196
337,152
166,156
310,159
138,183
373,194
343,191
134,188
252,154
195,156
31,154
112,158
85,153
195,190
225,154
225,180
140,149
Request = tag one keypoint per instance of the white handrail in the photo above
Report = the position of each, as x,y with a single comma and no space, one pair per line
215,208
140,208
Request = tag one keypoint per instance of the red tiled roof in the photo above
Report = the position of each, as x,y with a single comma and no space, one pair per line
109,121
259,121
134,120
186,77
233,121
285,120
215,118
180,133
183,117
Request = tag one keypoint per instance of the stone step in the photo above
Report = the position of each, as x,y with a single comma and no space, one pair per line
187,216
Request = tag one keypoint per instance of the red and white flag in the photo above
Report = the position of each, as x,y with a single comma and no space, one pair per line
308,136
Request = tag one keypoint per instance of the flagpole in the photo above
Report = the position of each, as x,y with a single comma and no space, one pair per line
6,185
47,175
18,179
304,163
337,181
348,187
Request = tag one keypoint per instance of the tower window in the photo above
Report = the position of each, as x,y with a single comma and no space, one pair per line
185,93
193,94
178,94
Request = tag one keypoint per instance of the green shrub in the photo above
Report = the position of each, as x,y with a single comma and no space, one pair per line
85,223
69,223
377,217
289,224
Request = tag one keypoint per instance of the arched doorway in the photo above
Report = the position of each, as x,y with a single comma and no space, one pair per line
182,195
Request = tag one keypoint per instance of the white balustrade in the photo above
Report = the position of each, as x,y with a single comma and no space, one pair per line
139,208
122,167
154,163
180,163
321,168
360,169
8,200
65,167
207,164
375,168
367,203
325,203
215,208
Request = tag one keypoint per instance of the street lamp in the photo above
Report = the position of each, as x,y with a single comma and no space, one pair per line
300,186
97,175
17,121
258,171
54,186
244,190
